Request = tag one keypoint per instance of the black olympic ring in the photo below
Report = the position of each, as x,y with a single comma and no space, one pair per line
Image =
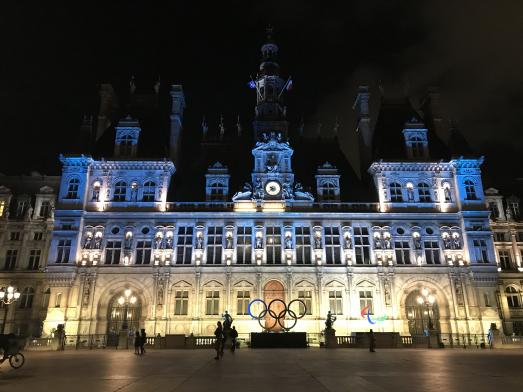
280,316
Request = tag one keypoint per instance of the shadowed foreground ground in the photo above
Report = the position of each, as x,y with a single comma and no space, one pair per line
265,370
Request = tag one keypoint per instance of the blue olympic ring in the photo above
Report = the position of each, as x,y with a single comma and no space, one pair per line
249,309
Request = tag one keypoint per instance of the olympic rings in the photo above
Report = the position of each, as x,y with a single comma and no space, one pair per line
280,317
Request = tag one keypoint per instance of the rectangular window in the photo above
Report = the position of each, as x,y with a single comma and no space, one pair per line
45,209
38,236
432,252
500,236
212,303
402,250
366,300
181,302
14,236
303,245
486,299
505,260
243,299
244,245
58,300
519,236
480,251
63,250
332,245
20,208
10,259
113,249
494,211
214,245
143,252
335,302
34,259
361,245
306,297
273,245
184,245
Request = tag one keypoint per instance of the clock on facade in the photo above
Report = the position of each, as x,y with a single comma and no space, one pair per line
272,188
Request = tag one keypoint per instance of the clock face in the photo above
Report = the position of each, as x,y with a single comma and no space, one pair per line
272,188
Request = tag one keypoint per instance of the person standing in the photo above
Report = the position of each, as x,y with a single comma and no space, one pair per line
234,336
143,340
218,333
137,343
372,342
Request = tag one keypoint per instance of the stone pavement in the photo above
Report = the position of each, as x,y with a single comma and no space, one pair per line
268,370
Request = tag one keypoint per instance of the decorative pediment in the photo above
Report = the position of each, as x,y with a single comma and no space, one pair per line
213,283
181,284
4,189
46,189
335,283
243,283
365,283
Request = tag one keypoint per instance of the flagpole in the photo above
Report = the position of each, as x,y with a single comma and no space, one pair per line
284,86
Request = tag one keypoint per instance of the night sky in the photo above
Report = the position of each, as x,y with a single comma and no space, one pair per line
54,57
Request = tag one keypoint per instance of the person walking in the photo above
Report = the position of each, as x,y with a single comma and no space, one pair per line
219,340
137,343
234,336
372,342
143,340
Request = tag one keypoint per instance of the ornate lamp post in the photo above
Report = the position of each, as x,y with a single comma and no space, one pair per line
125,300
8,296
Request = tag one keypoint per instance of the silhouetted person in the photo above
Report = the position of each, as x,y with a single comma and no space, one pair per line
143,340
234,336
137,343
372,341
219,340
5,341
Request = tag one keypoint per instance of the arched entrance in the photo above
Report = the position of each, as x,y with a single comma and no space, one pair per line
421,314
274,290
124,313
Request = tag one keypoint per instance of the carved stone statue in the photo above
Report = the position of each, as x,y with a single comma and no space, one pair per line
288,242
446,242
387,243
448,197
158,242
456,243
508,213
410,194
244,194
128,243
88,243
272,164
417,242
199,241
317,242
229,242
300,194
329,322
29,213
259,243
97,242
258,189
227,320
348,241
287,190
169,242
377,243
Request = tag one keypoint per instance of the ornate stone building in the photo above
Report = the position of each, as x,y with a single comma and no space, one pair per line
26,224
507,229
341,248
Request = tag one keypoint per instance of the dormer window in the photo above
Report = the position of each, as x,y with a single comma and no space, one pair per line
96,191
126,145
217,191
120,190
417,147
45,209
396,195
72,188
470,190
328,191
424,193
149,189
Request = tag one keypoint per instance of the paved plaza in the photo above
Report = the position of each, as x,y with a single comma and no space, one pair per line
268,370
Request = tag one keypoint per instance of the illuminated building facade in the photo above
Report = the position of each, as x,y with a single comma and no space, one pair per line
424,226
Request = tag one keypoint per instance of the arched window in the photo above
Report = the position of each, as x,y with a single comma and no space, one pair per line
149,190
424,192
417,147
217,191
26,299
395,192
328,191
470,190
120,190
72,188
512,297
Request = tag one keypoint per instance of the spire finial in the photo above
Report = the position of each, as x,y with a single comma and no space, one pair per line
222,127
132,85
269,31
205,128
157,86
239,125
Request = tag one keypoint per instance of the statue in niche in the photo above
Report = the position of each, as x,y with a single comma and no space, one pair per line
386,286
288,242
160,295
96,194
244,194
199,241
97,242
87,292
169,242
259,242
456,243
348,241
134,192
88,243
287,190
317,241
258,189
229,241
387,243
29,213
158,242
272,164
410,194
377,243
508,213
128,243
447,242
417,242
446,192
459,292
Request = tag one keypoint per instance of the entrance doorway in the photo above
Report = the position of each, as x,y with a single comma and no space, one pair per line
274,290
123,315
419,316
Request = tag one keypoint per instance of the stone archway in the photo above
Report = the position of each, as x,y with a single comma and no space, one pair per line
271,291
420,317
119,316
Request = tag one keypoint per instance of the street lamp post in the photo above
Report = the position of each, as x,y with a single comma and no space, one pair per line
8,296
427,300
125,300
